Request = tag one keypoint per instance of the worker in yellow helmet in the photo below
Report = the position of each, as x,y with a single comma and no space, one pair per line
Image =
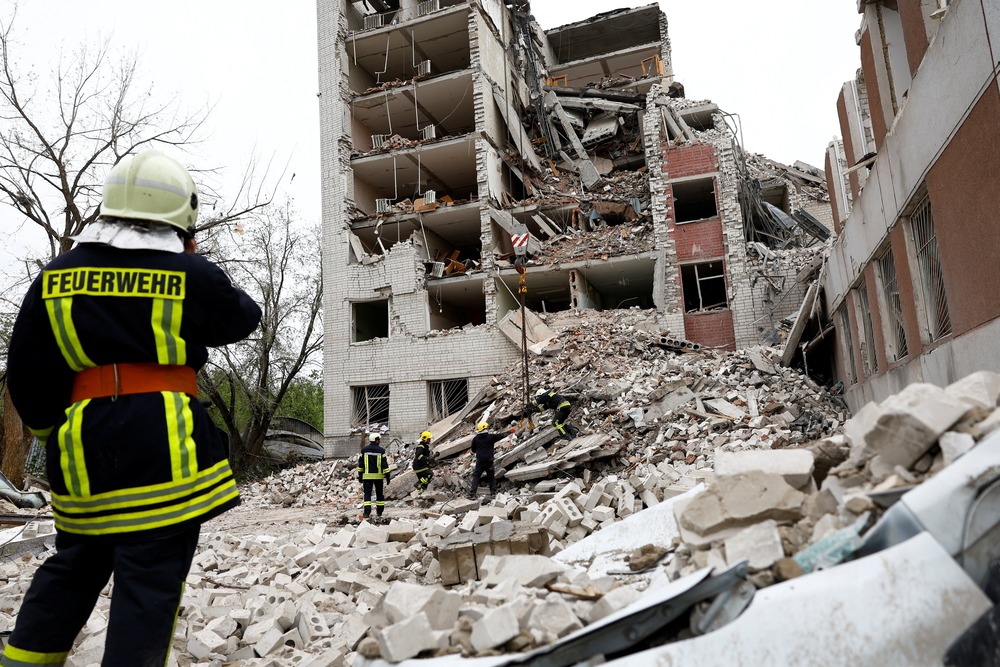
482,446
101,368
423,459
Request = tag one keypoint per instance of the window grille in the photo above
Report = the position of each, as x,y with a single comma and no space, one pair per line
371,405
895,335
933,300
447,397
869,359
704,286
428,7
847,347
373,21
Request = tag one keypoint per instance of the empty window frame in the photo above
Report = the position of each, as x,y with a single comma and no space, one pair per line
369,320
704,286
371,405
846,346
891,308
694,200
447,397
869,360
932,303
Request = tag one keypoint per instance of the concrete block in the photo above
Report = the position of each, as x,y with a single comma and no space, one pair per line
602,514
795,465
760,544
554,616
612,601
204,643
740,500
404,640
448,564
369,533
271,641
292,638
497,627
569,509
444,526
953,445
981,388
530,571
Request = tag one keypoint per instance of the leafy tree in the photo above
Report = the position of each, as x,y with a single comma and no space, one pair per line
304,400
278,263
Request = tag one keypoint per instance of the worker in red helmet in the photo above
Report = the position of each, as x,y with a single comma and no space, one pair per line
101,368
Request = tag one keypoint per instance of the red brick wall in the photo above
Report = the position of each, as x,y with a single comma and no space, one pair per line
681,161
711,329
849,152
834,200
875,106
914,32
698,240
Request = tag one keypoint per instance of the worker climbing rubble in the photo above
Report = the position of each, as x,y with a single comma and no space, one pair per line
561,407
482,446
423,460
373,473
101,367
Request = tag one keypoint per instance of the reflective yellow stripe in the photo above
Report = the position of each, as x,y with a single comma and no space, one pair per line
16,657
41,433
71,460
61,318
166,323
157,518
183,456
141,496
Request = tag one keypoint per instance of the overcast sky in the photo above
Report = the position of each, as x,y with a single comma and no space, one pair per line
779,65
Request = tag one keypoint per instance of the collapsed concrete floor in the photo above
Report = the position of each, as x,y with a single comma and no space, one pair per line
687,461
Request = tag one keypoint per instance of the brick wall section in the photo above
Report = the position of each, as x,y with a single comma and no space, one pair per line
690,160
738,276
699,240
711,329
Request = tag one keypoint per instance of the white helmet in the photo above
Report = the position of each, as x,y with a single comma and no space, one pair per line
373,437
151,186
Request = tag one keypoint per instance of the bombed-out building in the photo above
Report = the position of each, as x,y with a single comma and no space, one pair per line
911,285
472,160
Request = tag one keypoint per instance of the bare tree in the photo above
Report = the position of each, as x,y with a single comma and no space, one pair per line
278,263
60,135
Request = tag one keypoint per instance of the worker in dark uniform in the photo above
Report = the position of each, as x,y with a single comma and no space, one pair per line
373,473
546,399
101,368
423,459
482,446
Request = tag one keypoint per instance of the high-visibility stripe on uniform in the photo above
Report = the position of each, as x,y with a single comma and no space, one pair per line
149,519
368,472
18,657
166,322
183,451
71,460
137,497
61,318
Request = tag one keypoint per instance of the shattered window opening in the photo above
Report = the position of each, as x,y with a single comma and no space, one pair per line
895,335
846,346
869,360
447,397
704,286
694,200
371,405
933,300
369,320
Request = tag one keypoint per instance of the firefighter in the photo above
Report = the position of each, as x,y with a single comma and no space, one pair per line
101,368
545,399
423,459
373,473
482,446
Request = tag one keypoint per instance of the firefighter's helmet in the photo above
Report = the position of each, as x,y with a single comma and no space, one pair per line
482,426
541,393
151,186
374,437
425,436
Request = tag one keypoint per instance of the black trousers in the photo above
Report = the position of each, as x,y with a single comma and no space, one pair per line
148,585
487,468
369,485
424,478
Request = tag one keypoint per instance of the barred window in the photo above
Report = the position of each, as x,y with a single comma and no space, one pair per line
371,405
447,397
869,360
892,311
846,346
932,301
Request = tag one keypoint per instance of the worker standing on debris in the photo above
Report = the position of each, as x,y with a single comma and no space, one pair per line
373,473
482,446
101,367
546,399
423,459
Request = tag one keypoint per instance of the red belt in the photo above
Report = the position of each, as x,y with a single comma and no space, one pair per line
121,379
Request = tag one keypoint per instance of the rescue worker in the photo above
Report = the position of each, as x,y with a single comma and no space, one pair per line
422,462
373,473
101,368
545,399
482,446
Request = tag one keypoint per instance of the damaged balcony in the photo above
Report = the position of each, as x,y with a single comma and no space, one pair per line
456,302
596,284
435,43
439,234
618,49
416,112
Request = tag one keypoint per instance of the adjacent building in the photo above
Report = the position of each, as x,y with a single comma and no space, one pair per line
911,284
460,136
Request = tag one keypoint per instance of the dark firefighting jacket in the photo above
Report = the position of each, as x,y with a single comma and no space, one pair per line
483,444
422,459
372,463
137,462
